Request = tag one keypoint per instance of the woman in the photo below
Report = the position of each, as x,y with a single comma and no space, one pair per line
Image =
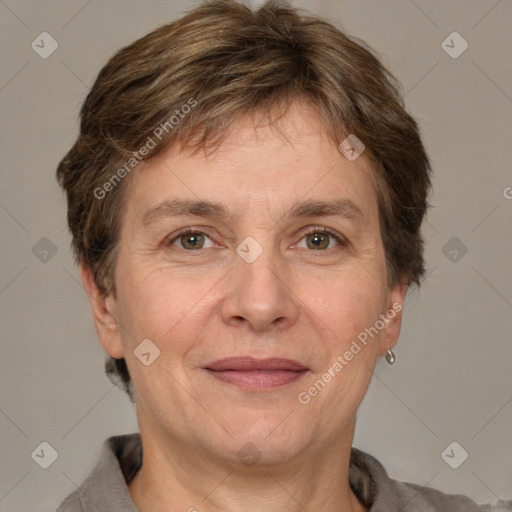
245,199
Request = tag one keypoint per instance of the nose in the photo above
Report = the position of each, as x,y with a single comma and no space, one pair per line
260,295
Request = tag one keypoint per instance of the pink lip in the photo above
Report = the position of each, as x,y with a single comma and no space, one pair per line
256,375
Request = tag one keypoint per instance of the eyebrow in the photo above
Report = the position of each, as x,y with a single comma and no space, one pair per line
311,208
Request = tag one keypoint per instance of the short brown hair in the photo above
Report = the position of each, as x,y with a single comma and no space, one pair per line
227,60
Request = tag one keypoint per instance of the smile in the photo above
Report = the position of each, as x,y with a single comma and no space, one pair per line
256,375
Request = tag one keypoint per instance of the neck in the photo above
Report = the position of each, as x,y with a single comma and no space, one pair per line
193,481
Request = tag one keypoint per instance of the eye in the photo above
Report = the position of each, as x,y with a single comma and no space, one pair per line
319,239
191,240
316,238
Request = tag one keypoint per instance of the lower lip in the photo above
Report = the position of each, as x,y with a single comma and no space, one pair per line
258,380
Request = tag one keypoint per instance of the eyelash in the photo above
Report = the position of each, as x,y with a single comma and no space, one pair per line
314,230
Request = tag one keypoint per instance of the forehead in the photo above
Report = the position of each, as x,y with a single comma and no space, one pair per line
266,165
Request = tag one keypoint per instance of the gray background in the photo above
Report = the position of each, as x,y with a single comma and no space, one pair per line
452,379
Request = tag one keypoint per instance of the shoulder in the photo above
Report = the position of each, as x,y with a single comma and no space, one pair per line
71,504
105,488
374,487
417,498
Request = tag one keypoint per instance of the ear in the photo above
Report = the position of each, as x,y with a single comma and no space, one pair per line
393,317
103,310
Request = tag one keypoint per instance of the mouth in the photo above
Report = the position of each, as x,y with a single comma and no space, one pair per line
256,374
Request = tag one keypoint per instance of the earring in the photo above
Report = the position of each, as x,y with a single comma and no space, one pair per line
390,356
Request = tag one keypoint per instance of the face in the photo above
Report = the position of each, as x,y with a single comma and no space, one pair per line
267,251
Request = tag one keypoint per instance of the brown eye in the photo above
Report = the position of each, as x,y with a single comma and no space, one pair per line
320,239
190,240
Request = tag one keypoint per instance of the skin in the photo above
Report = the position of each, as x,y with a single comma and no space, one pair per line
293,301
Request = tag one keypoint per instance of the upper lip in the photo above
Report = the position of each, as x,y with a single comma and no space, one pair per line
250,364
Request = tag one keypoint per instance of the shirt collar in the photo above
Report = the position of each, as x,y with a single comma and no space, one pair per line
106,488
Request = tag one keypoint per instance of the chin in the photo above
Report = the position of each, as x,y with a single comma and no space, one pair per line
266,440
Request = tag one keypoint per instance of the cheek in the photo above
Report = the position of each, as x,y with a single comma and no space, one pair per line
349,304
166,313
170,311
352,348
148,309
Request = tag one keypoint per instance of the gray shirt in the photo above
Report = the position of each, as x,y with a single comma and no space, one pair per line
106,489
